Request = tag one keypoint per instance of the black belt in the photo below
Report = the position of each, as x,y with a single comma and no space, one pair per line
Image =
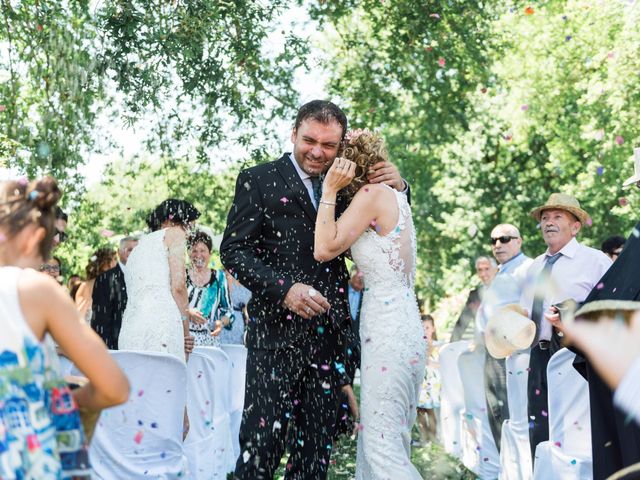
544,344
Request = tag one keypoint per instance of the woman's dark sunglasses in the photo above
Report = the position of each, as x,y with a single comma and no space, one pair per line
503,240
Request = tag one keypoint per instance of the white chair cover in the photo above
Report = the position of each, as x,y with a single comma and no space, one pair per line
238,356
142,439
515,453
209,445
567,454
451,396
479,451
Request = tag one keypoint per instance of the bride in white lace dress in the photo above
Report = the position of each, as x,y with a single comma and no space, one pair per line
157,314
378,227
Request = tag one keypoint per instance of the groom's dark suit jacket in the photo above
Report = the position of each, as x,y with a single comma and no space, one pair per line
268,246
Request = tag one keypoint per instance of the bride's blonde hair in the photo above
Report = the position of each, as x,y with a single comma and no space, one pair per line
365,148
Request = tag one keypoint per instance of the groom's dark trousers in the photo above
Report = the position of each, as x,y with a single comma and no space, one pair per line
295,366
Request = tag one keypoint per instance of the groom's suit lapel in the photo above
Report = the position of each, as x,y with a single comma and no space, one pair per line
295,184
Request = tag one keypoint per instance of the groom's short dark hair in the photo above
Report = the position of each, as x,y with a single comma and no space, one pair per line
323,111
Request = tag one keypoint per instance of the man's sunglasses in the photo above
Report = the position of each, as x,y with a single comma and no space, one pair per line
503,240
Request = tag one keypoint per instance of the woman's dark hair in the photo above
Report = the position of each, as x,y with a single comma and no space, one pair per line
178,211
99,262
23,203
611,244
202,237
322,111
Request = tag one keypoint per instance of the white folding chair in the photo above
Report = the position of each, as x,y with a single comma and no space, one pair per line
209,444
142,439
567,453
515,452
451,396
238,356
479,451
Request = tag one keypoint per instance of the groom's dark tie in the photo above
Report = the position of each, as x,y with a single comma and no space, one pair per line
316,183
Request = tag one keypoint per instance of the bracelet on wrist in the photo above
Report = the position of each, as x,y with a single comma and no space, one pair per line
184,317
328,203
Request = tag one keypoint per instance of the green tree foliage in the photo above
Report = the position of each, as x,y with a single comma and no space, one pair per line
120,203
187,68
488,107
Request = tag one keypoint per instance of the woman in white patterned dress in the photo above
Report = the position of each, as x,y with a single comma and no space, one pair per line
157,314
378,227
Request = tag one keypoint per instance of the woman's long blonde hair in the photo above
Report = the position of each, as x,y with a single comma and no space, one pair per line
364,148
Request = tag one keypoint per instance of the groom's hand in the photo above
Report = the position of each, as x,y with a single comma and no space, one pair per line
306,301
386,172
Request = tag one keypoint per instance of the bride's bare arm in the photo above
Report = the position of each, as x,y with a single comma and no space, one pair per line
335,237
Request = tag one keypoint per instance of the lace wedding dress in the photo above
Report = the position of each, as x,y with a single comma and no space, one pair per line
393,350
151,320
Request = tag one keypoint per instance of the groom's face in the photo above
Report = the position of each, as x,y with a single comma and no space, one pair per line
315,145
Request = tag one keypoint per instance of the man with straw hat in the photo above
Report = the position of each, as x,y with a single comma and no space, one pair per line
615,441
567,269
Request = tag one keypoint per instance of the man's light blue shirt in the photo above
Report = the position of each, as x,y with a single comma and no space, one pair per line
505,288
354,302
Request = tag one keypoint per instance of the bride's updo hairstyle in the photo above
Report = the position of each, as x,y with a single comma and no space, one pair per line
23,203
364,148
180,212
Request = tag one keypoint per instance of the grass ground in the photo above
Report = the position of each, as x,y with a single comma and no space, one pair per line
432,461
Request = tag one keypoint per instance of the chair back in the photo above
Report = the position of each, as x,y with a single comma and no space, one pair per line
238,356
569,409
451,395
209,444
143,438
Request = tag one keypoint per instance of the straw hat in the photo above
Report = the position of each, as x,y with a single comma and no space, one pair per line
561,201
636,176
608,308
507,331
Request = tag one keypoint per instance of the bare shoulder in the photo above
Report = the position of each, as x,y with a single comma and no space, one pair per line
374,191
174,235
36,289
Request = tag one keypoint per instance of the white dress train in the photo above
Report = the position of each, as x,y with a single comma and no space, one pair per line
393,350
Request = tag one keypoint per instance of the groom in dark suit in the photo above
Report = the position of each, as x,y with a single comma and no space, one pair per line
299,314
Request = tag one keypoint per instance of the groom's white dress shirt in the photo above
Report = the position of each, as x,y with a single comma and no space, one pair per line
306,179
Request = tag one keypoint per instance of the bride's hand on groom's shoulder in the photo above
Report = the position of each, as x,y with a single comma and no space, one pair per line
340,174
306,301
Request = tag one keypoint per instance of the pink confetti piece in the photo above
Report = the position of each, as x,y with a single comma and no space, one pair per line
623,201
106,233
138,437
140,392
434,15
524,108
284,200
619,139
544,413
280,281
442,61
600,286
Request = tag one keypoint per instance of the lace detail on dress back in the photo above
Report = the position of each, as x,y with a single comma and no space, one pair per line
390,259
151,321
